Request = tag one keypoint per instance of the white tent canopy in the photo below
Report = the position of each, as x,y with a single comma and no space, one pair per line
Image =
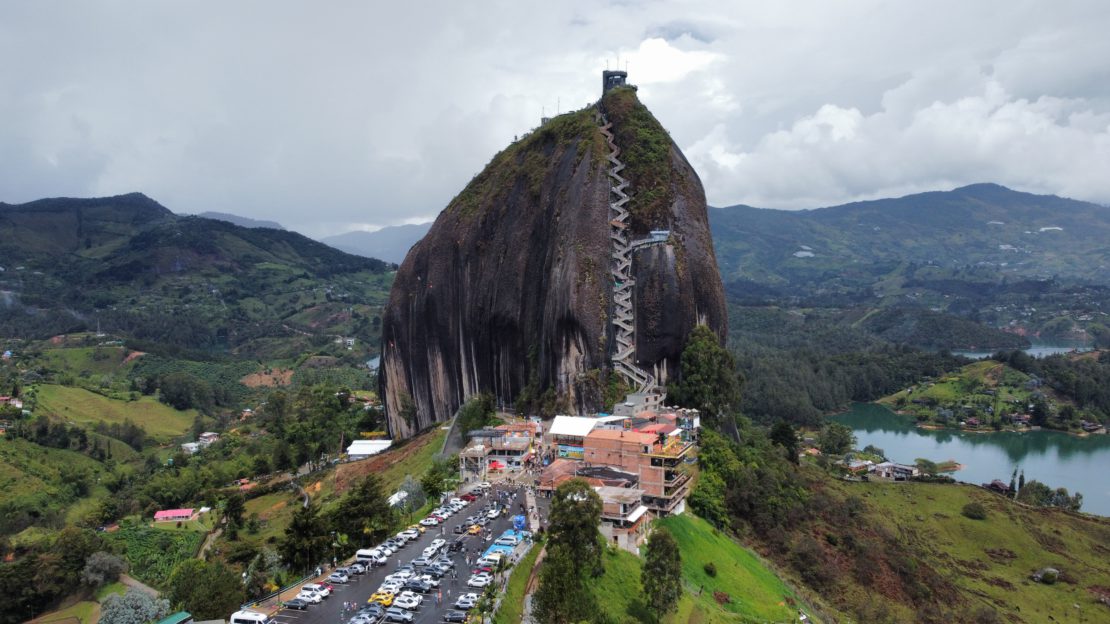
366,448
577,426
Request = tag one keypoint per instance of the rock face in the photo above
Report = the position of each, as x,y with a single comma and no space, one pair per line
509,291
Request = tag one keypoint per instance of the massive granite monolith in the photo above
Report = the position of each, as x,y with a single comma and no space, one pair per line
509,292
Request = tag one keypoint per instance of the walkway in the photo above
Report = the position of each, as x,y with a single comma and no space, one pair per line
624,311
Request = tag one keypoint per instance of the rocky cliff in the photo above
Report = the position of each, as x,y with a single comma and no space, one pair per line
508,293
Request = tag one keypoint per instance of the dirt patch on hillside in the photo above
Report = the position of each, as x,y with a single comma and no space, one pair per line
276,507
270,378
348,474
134,355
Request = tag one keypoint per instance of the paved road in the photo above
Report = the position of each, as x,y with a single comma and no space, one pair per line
361,587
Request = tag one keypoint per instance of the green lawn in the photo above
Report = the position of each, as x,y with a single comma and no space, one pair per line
754,592
991,560
87,360
160,421
512,604
81,612
417,463
110,588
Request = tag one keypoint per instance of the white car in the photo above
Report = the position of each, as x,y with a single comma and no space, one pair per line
429,553
430,521
310,597
408,600
410,534
505,541
319,588
466,601
479,580
437,543
338,577
390,587
384,550
429,579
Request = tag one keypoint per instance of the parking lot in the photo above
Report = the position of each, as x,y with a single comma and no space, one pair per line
361,587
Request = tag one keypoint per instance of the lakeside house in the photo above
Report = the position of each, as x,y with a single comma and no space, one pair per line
895,471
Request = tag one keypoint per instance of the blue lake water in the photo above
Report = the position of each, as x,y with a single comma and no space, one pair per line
1037,350
1051,457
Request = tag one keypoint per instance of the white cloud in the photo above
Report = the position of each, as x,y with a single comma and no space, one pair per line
355,115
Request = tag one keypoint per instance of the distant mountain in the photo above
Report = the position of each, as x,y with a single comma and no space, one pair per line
246,222
983,227
180,281
390,244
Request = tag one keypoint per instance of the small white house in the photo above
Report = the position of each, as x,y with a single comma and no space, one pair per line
190,447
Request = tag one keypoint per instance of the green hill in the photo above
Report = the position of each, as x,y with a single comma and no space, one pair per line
135,269
982,253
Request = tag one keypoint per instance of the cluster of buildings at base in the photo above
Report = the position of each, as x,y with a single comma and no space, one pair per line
636,463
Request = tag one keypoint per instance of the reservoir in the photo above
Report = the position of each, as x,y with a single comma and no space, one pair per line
1051,457
1037,350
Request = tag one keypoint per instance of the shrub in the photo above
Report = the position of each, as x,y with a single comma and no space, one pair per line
975,511
710,569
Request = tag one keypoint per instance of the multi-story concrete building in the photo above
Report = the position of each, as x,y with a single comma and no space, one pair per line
657,459
624,517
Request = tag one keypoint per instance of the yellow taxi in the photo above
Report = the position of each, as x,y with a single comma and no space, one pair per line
474,529
419,527
383,598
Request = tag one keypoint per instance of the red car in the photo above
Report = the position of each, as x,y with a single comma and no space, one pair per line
470,498
481,569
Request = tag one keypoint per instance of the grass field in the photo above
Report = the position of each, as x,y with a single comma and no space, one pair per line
34,478
754,592
83,612
160,421
512,603
991,560
88,360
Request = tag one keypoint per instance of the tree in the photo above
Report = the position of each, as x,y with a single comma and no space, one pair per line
835,439
206,589
306,539
363,514
234,508
783,435
662,573
927,467
709,381
134,607
575,514
102,568
563,596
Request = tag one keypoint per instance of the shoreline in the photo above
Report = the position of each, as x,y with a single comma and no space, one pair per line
931,426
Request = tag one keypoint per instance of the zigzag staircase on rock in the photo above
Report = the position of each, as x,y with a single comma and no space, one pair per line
624,312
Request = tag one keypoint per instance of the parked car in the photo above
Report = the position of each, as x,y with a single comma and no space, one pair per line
373,610
411,533
418,528
356,568
390,587
338,577
310,597
417,585
455,616
322,588
296,603
384,550
479,581
466,601
437,543
429,579
394,614
469,497
405,602
430,521
383,598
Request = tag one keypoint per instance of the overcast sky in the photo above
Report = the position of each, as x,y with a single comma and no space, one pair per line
332,116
